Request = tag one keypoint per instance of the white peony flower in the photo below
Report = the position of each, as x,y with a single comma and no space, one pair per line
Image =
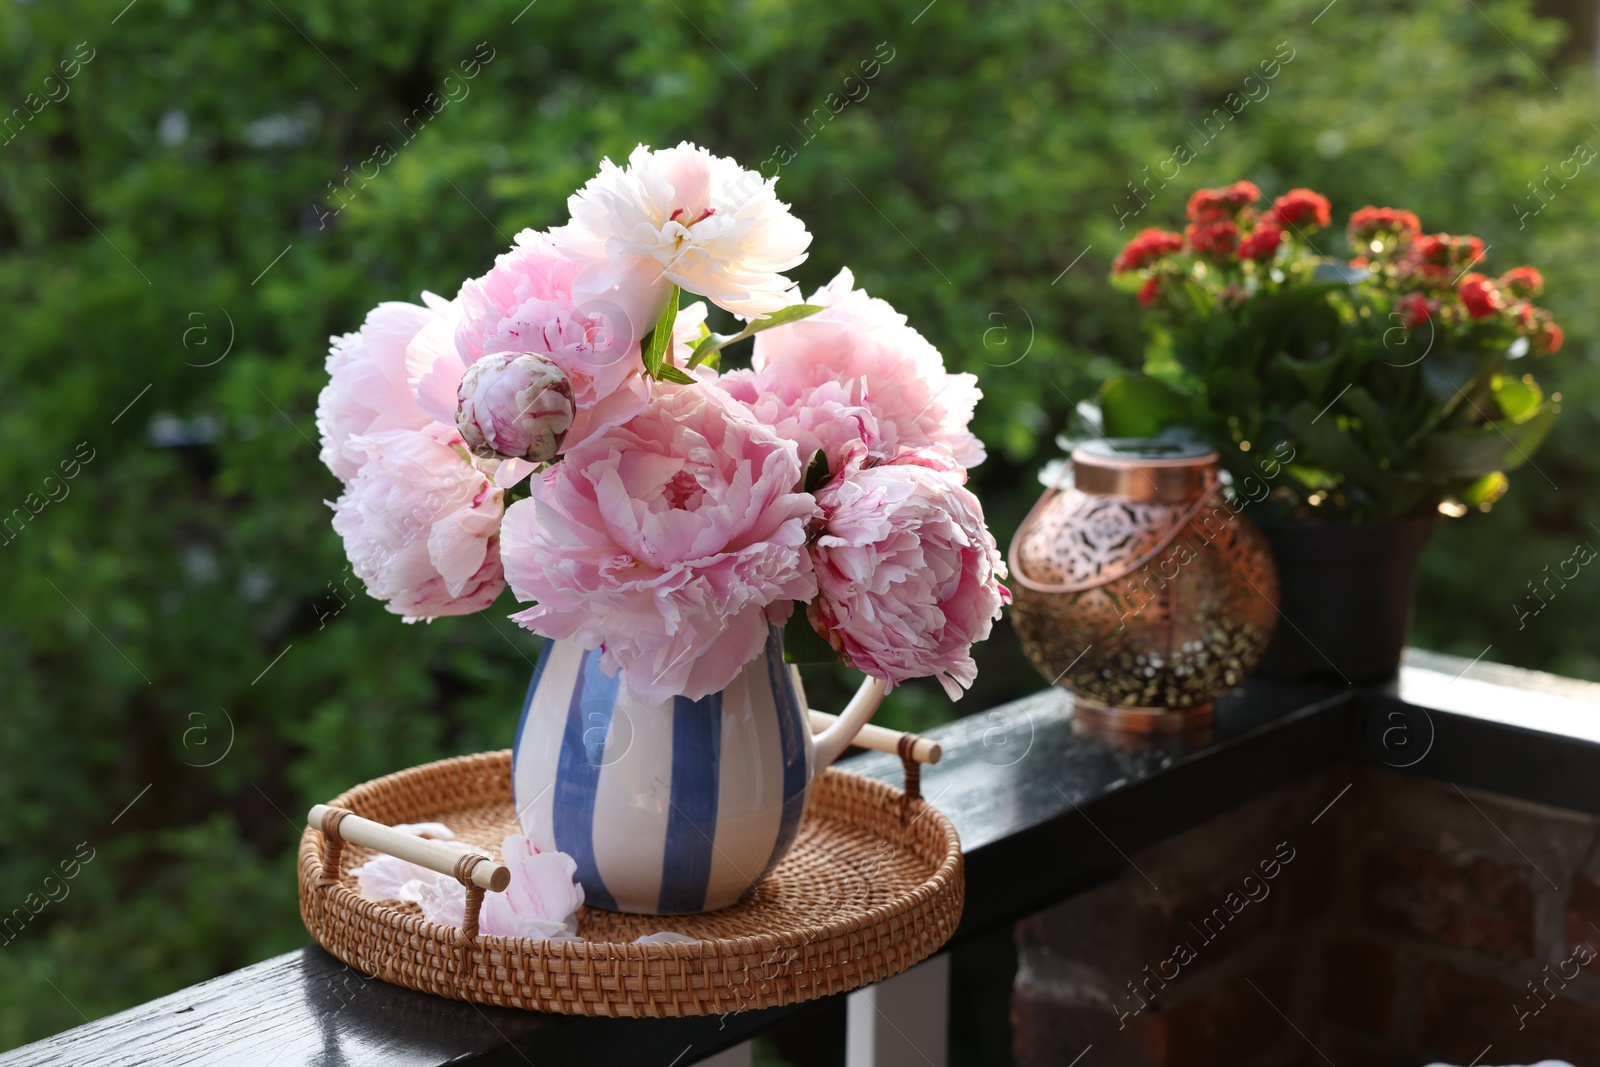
684,216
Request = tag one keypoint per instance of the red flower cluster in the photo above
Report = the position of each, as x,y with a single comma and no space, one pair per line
1223,226
1479,296
1428,263
1436,259
1445,250
1217,239
1548,337
1415,309
1522,282
1544,336
1206,205
1425,274
1370,222
1302,208
1145,249
1262,244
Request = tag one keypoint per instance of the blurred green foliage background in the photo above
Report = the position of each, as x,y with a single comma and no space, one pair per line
170,275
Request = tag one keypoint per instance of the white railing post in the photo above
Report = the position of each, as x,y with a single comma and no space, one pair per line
903,1021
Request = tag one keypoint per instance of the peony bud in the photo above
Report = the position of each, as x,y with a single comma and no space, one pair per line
518,407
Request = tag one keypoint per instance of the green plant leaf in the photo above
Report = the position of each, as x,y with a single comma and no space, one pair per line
1500,446
1236,388
1520,398
1129,282
1135,405
1485,490
1331,448
802,644
1374,420
654,349
670,373
708,346
792,313
712,343
1312,378
1447,374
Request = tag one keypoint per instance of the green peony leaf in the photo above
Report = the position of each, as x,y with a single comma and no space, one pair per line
712,343
802,644
670,373
656,344
792,313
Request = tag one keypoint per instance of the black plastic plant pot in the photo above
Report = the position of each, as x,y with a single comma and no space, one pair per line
1346,595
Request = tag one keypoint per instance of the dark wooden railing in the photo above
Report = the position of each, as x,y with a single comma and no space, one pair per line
1043,814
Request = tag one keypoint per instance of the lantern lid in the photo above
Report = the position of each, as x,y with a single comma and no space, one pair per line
1144,468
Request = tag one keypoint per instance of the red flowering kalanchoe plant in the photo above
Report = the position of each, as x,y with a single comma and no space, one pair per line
1384,382
1225,229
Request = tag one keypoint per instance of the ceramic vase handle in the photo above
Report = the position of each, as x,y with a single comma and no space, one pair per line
836,738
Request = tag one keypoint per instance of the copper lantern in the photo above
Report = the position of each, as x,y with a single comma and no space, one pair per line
1141,588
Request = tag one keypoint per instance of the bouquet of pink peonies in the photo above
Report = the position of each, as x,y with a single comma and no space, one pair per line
667,512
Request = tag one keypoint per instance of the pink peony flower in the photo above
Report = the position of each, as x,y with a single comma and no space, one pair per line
856,371
907,572
525,305
514,406
670,542
542,899
368,390
828,416
683,216
419,523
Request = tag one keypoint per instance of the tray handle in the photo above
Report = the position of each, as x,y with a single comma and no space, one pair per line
913,749
472,869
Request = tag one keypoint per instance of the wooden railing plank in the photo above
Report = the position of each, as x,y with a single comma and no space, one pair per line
1035,806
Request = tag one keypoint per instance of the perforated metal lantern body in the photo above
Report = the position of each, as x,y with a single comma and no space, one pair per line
1140,588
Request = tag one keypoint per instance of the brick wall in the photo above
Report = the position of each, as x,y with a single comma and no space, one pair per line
1410,922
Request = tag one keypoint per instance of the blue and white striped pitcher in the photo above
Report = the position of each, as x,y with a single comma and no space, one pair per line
672,807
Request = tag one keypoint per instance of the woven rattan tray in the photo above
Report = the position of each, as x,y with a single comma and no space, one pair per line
872,886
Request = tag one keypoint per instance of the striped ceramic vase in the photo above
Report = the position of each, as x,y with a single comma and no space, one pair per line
671,807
